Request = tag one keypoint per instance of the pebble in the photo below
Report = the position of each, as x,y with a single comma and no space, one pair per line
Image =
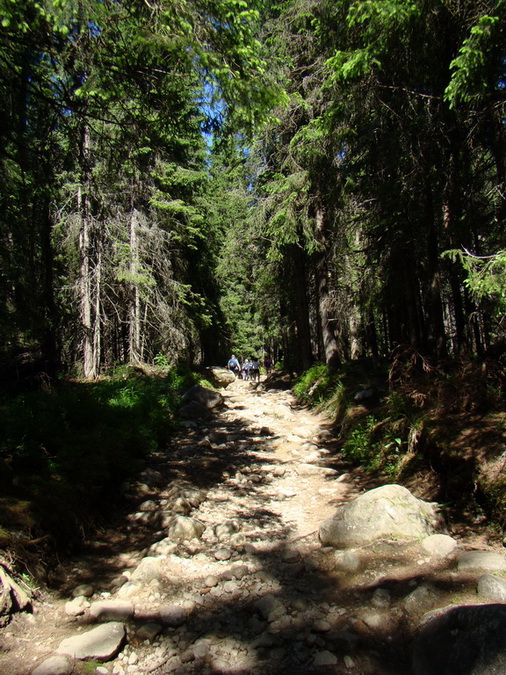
222,554
325,658
349,662
321,626
149,631
86,590
172,615
211,581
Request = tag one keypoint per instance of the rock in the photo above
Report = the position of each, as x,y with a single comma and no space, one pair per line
172,615
188,424
221,377
320,626
148,505
492,587
211,581
149,631
347,561
222,554
150,477
482,560
54,665
387,512
112,610
349,662
270,607
201,648
463,641
421,599
224,530
206,397
324,658
148,569
305,469
366,396
194,411
101,643
381,598
128,589
184,528
85,590
182,506
187,656
77,606
439,545
240,571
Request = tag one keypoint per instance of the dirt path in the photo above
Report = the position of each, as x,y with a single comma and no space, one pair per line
256,593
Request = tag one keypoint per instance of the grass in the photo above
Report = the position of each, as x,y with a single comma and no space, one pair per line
64,452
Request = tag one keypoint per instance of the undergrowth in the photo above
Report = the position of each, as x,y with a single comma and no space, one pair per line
65,451
411,416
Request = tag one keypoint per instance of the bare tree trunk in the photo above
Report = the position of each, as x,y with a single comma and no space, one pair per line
330,347
97,324
88,308
135,355
85,286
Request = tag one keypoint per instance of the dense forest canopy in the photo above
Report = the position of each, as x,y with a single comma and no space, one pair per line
314,179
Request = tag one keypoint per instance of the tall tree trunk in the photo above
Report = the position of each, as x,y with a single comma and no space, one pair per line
436,337
330,347
85,286
134,356
50,348
297,347
88,308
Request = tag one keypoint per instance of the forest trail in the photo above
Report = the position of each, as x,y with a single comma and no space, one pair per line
256,593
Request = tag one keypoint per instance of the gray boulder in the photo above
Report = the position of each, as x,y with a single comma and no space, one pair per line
101,643
54,665
387,512
194,411
183,528
492,587
111,610
482,560
463,641
207,397
221,377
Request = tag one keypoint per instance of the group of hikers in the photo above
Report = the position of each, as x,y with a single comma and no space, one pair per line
249,369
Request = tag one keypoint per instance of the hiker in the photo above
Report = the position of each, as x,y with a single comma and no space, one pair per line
245,369
233,365
255,370
268,365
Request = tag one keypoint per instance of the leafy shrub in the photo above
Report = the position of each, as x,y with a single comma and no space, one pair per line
320,386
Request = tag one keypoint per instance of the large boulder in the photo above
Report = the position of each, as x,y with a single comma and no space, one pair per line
194,411
468,640
100,644
206,397
221,377
387,512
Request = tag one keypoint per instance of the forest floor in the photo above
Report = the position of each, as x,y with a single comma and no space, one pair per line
267,473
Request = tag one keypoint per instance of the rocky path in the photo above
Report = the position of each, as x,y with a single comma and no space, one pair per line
218,568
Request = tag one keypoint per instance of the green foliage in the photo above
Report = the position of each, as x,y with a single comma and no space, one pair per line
360,444
71,447
471,68
486,275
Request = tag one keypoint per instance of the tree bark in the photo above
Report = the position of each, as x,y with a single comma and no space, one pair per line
134,355
330,347
88,308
